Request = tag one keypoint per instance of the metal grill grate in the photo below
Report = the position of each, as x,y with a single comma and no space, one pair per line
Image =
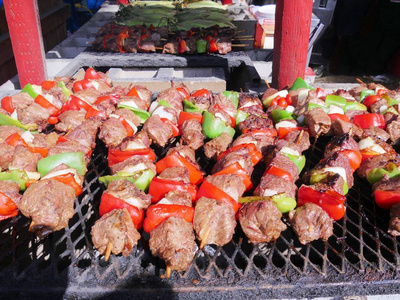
360,253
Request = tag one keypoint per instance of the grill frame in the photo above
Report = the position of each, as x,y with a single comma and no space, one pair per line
361,258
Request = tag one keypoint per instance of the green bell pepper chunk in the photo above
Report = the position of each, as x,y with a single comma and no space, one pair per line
67,92
320,175
280,114
389,100
282,202
392,110
299,161
18,176
233,96
313,105
365,93
142,114
73,160
190,107
213,126
241,116
7,120
141,179
164,103
201,46
300,83
354,106
32,90
335,100
376,174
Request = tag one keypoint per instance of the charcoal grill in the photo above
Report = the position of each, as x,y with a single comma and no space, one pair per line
361,258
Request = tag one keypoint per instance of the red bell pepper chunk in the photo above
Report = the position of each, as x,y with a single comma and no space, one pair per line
160,186
233,119
183,92
62,139
43,102
112,97
282,102
238,170
272,170
386,199
8,209
182,46
211,191
74,103
133,92
184,116
365,121
7,104
289,100
176,160
109,202
321,94
92,74
68,179
254,153
175,129
82,85
339,117
202,93
365,154
330,201
156,214
371,99
115,156
92,112
213,46
130,131
41,150
52,120
283,131
48,84
354,157
15,139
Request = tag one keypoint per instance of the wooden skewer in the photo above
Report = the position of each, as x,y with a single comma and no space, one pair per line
243,36
239,31
299,137
204,239
240,45
245,39
360,81
108,251
268,86
168,272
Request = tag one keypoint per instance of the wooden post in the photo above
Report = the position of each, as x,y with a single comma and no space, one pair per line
26,39
292,31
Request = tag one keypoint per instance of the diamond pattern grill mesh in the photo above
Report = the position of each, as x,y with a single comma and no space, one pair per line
359,251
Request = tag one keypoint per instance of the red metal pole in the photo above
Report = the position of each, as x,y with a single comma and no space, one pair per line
292,31
26,39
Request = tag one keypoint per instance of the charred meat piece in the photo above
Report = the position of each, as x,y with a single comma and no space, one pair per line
354,112
158,131
21,100
44,140
88,95
229,183
129,192
310,222
271,185
171,48
225,103
317,121
255,122
248,100
6,155
217,145
70,119
135,163
173,97
261,221
173,241
340,127
128,115
86,133
191,134
214,221
130,45
338,143
10,189
242,156
24,159
112,132
264,143
394,131
139,141
379,106
50,204
178,198
7,130
115,228
224,45
394,222
300,138
34,114
176,174
378,161
377,132
281,161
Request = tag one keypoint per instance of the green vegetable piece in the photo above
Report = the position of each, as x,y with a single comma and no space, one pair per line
392,110
164,103
241,116
18,176
190,107
335,100
64,89
390,101
280,114
354,106
365,93
7,120
284,203
73,160
142,179
320,175
233,96
313,105
299,161
201,46
142,114
376,174
345,188
300,83
30,89
213,126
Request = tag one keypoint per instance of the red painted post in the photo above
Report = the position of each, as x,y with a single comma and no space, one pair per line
292,31
26,39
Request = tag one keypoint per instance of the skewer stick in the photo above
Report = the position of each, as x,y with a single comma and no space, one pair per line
239,31
159,48
204,239
299,137
360,81
243,36
244,39
108,251
168,272
240,45
268,86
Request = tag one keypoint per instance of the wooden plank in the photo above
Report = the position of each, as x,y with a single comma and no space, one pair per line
292,30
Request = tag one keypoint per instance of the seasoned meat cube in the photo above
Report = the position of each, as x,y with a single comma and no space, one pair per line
394,130
10,189
142,104
128,191
264,143
44,140
139,141
378,161
310,222
6,155
338,143
269,92
390,117
128,115
21,100
214,221
281,161
173,241
112,132
229,183
224,46
377,132
340,127
261,221
380,106
300,137
69,147
158,131
133,163
248,100
34,114
144,94
86,133
50,204
225,103
186,152
394,222
24,159
317,121
176,173
354,112
191,134
171,48
7,130
217,145
130,45
178,198
88,95
70,119
173,97
115,227
255,122
241,156
271,185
